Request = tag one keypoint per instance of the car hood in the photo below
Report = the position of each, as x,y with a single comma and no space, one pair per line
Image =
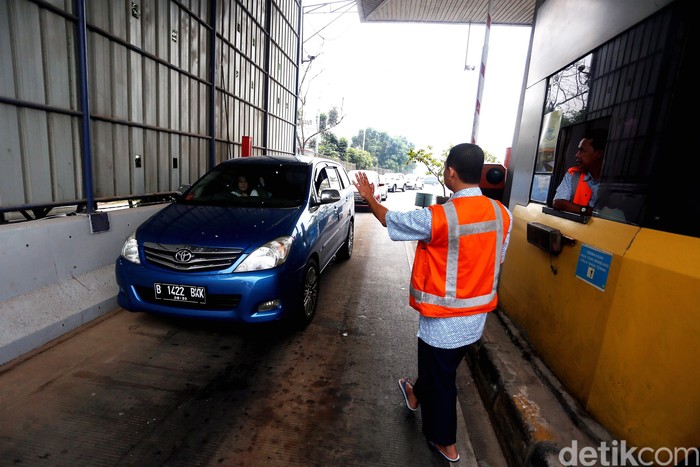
217,226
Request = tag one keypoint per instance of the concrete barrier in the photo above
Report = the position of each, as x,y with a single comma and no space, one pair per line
56,275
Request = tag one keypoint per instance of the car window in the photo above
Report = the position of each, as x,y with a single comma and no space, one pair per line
344,179
270,185
321,182
333,178
327,177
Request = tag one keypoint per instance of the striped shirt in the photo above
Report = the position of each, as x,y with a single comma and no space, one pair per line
444,333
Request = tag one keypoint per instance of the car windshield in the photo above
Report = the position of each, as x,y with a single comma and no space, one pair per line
250,185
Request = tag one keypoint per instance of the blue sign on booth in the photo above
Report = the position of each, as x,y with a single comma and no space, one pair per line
593,266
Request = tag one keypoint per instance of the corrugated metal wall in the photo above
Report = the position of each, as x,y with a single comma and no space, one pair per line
149,73
39,146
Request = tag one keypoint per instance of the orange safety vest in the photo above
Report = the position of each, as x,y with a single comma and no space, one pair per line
583,192
456,274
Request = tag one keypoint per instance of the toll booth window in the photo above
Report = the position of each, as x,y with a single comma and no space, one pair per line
544,163
578,169
560,175
637,86
567,95
563,180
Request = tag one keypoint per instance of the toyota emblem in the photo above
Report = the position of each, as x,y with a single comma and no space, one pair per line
183,255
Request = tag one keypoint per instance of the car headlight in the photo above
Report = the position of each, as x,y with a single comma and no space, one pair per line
268,256
130,250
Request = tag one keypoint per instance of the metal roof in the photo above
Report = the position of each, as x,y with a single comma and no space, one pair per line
505,12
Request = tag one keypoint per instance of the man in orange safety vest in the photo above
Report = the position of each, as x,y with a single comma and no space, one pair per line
460,247
578,190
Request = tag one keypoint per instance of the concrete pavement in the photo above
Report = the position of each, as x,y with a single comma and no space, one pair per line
531,415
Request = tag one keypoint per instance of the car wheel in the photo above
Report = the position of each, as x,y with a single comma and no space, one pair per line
403,189
345,251
305,308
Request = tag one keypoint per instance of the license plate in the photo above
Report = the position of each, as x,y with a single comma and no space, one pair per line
180,293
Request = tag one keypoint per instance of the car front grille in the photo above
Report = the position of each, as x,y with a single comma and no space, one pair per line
214,301
190,258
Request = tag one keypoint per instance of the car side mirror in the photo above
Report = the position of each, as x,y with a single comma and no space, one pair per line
330,195
177,196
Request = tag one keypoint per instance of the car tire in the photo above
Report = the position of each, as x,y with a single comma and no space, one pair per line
307,299
345,251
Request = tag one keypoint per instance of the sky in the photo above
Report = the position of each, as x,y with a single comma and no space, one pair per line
409,79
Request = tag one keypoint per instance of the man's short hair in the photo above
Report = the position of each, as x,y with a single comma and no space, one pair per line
467,160
599,138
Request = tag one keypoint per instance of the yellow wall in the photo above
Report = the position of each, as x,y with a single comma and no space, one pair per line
629,353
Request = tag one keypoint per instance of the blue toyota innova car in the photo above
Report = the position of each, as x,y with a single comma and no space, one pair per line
247,242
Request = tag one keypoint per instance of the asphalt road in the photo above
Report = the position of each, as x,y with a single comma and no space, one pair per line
133,389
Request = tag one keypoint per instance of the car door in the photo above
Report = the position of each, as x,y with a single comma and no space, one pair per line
327,215
347,201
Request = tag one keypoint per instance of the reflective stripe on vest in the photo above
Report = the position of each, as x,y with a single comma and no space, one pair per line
455,231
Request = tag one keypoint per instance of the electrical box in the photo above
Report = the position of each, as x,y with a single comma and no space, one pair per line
99,222
542,236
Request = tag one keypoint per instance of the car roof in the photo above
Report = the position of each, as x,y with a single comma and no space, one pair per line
277,159
366,171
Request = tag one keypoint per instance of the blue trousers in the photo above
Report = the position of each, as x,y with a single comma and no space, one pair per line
436,390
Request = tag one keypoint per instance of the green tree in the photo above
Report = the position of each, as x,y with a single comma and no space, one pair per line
434,165
306,133
361,159
333,147
389,151
488,157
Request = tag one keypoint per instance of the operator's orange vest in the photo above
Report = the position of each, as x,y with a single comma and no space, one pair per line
583,192
456,274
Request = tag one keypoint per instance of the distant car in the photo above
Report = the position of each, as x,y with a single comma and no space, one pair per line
431,180
395,181
383,188
414,182
373,178
409,182
257,258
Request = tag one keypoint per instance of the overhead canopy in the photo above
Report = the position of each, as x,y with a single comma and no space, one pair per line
503,12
